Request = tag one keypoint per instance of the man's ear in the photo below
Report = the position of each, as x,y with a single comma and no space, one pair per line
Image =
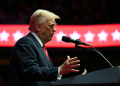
37,27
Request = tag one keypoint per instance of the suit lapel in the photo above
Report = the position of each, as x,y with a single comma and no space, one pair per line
40,48
51,62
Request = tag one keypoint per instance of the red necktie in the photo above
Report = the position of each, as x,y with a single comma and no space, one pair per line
44,48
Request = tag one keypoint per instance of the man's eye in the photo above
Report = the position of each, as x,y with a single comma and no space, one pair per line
51,26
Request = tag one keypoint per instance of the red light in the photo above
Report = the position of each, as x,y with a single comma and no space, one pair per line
106,35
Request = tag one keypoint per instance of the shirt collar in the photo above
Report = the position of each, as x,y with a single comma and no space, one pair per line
38,39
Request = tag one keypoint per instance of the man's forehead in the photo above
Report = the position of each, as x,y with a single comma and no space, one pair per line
52,22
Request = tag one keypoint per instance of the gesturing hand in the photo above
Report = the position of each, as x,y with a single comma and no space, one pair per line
68,65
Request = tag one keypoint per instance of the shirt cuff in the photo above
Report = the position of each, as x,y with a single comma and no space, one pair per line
59,76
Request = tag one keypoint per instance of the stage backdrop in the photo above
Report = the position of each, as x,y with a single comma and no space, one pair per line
106,35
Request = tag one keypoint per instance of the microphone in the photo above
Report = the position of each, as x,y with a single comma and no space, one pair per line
77,41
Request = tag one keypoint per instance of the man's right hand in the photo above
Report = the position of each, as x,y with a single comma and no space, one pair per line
69,65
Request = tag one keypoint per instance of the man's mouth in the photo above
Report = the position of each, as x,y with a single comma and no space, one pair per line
51,35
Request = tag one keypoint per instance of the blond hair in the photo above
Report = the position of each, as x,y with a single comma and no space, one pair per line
40,16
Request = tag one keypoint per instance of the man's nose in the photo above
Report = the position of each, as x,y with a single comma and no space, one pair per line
54,29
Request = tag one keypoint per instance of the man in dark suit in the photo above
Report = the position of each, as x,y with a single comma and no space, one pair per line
29,63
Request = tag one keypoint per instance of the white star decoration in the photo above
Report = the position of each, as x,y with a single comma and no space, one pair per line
116,35
59,36
17,35
4,36
75,35
102,36
89,36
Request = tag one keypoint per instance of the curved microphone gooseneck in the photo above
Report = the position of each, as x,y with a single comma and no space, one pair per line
95,50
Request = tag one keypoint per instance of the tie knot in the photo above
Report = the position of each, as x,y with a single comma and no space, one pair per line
44,47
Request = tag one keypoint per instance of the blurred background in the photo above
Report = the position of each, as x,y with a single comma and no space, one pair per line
72,12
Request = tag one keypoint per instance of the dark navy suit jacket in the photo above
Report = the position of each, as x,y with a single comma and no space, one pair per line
29,65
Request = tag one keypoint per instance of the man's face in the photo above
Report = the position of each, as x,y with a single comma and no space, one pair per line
47,30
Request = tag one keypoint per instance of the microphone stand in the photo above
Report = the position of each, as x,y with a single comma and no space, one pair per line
95,50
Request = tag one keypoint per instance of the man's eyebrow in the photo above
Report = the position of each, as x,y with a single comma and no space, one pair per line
53,23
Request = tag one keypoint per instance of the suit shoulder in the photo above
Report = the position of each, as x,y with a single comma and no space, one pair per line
25,40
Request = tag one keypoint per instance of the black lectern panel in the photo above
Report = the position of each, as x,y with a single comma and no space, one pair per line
105,76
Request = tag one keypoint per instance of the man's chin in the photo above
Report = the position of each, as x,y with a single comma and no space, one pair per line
49,39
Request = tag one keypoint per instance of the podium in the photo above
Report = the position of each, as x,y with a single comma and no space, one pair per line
104,77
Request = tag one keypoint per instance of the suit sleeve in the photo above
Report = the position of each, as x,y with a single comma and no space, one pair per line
28,65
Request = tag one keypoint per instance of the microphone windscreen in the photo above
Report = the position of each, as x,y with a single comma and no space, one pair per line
66,39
